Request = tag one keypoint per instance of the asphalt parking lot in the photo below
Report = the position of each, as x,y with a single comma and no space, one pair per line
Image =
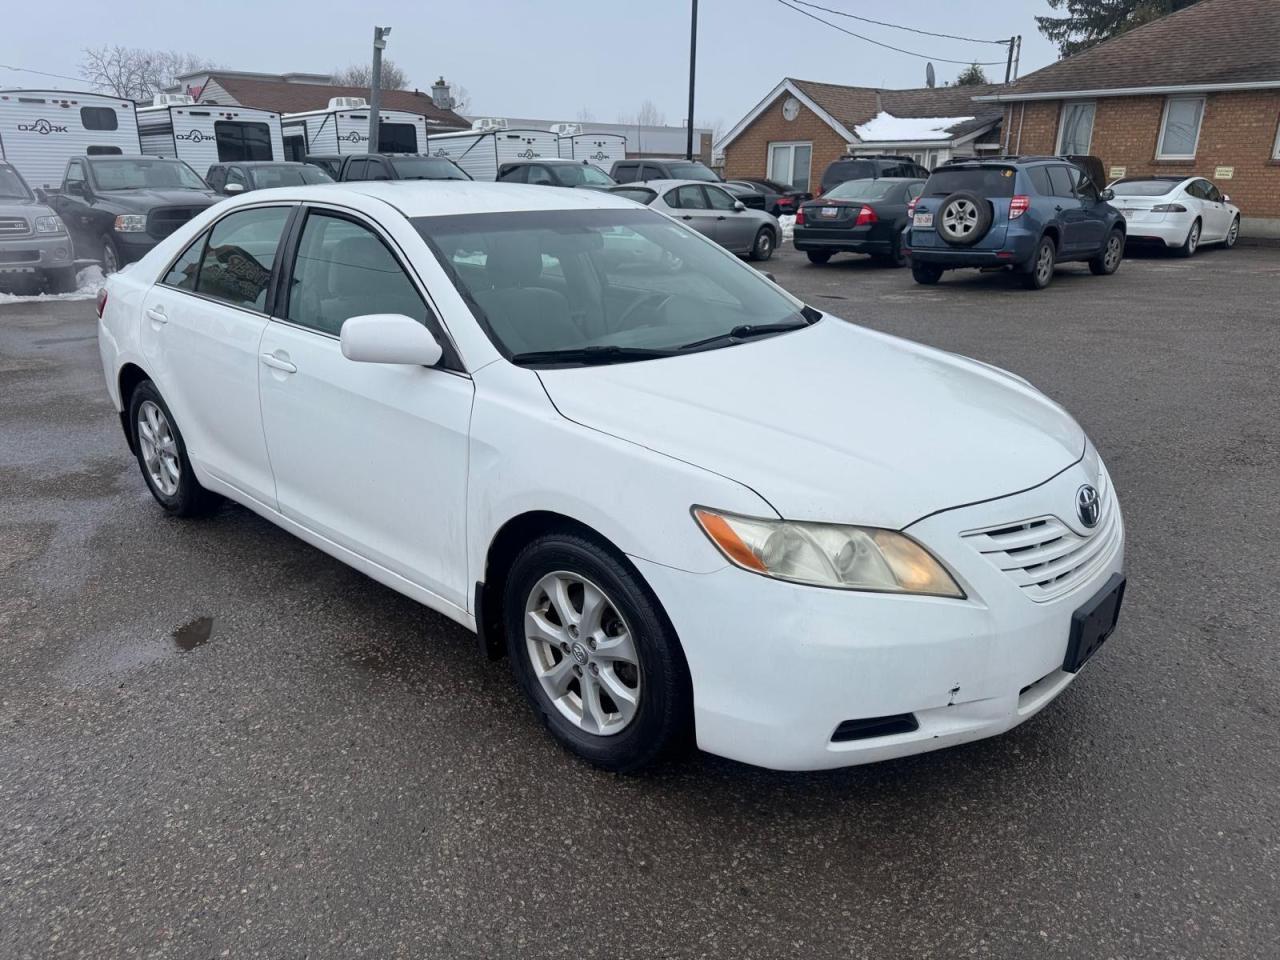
216,741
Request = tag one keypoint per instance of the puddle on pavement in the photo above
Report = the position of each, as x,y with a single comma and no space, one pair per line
194,634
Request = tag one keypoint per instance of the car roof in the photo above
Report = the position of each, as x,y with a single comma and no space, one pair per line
661,185
260,163
437,198
520,163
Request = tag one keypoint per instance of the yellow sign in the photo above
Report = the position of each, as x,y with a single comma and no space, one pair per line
1118,172
1223,173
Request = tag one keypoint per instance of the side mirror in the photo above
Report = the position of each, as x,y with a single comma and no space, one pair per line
231,189
389,338
1226,198
1108,194
739,205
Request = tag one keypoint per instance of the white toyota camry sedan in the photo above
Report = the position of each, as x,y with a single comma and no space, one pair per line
683,503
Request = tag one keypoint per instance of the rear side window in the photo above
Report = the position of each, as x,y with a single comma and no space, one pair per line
356,169
99,118
649,172
689,197
236,266
1039,177
1060,178
514,175
984,181
625,171
184,270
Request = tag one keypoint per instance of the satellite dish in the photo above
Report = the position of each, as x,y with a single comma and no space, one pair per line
929,78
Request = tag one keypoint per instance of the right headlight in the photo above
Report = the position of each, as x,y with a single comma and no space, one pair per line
131,223
828,554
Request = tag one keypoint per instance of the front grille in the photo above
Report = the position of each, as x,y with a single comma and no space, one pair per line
19,256
1044,556
14,227
165,220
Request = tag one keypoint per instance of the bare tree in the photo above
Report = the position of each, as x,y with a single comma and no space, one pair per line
461,98
585,115
135,73
650,116
361,75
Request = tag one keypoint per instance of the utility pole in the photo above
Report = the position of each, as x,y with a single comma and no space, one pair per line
380,35
693,60
1017,57
1008,67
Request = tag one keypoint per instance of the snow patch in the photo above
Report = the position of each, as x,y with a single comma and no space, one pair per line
88,282
886,127
788,222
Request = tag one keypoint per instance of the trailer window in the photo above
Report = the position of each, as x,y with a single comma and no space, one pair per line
239,140
98,150
397,138
99,118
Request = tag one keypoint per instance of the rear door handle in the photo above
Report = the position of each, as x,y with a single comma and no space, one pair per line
156,315
276,363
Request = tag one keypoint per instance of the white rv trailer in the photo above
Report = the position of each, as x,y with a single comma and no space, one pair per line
40,130
489,144
601,149
343,127
203,134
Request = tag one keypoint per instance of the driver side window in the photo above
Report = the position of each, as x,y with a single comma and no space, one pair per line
75,173
541,176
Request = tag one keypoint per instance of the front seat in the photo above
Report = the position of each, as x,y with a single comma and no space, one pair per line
523,316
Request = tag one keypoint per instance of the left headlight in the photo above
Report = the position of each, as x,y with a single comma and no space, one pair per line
131,223
49,225
828,555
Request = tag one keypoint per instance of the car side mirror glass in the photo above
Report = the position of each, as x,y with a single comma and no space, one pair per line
739,205
1226,198
389,338
1108,194
231,189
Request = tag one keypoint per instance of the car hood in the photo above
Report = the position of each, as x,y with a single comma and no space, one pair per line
144,199
16,207
833,422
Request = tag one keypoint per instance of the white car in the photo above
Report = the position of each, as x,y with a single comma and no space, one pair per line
679,499
1181,212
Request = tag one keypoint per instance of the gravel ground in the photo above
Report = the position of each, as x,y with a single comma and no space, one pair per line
217,742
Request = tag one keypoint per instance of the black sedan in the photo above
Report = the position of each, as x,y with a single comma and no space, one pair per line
857,216
752,197
780,198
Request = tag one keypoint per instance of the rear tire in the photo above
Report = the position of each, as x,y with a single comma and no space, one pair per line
1192,243
895,257
1041,273
926,273
1108,260
567,659
762,249
162,455
818,256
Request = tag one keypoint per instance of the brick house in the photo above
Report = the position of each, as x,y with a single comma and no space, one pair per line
800,127
1194,93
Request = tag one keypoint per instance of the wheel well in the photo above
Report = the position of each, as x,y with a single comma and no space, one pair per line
1053,232
505,546
130,376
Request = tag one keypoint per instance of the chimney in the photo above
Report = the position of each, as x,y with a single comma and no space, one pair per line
440,95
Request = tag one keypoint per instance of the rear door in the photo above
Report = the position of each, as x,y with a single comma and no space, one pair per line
690,204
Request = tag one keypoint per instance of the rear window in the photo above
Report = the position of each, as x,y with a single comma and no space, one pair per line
984,181
1143,188
863,189
843,170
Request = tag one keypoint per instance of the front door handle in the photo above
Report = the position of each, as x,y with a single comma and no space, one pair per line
720,218
156,315
277,363
686,217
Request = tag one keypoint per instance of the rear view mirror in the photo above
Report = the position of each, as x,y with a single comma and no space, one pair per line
1108,194
231,189
389,338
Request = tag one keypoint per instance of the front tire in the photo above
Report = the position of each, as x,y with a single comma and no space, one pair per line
1233,234
926,273
1192,243
1108,260
594,653
762,249
162,455
1041,273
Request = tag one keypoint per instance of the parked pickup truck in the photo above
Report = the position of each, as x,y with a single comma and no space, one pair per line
389,166
117,208
33,242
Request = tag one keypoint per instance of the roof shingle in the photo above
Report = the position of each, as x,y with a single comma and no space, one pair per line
285,97
853,106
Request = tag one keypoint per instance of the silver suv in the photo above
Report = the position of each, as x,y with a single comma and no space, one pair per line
33,241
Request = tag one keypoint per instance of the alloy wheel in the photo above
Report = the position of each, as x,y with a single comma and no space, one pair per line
960,218
583,653
1111,259
1193,239
159,448
1044,265
1234,233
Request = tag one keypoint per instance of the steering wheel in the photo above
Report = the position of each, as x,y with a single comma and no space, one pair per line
662,298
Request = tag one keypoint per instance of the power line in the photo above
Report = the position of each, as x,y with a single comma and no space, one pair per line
898,26
43,73
887,46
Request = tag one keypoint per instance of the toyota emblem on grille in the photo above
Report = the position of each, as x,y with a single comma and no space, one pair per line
1088,505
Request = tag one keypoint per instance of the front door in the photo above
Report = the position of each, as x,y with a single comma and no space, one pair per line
1217,218
1069,210
691,206
1093,220
370,456
735,229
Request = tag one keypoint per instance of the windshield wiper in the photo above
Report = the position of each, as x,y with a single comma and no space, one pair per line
587,355
745,331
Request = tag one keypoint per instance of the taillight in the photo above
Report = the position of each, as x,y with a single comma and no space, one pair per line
911,208
865,215
800,217
1018,206
1168,208
102,302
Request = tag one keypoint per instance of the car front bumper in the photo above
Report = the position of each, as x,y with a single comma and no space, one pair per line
778,667
36,252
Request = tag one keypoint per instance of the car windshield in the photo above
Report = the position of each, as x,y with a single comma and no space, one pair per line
266,177
984,181
692,170
862,190
139,173
428,168
606,285
1144,188
12,185
584,175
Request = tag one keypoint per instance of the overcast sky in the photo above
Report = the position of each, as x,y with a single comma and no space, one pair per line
545,59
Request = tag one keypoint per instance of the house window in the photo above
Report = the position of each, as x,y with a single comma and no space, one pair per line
789,163
1275,152
1076,133
1180,129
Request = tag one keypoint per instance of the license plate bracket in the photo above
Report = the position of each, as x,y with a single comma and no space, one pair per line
1093,623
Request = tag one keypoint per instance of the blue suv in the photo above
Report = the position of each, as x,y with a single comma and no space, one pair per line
1025,213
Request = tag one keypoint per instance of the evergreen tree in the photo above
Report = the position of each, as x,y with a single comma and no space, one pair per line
1089,22
971,76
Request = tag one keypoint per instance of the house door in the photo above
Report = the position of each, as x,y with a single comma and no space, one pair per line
789,163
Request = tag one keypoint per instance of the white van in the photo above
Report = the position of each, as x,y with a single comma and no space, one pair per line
203,134
40,130
602,149
343,127
488,145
